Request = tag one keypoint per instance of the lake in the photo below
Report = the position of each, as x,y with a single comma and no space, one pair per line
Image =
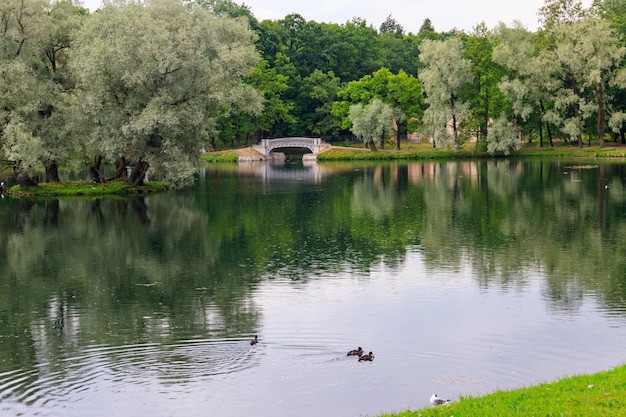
461,277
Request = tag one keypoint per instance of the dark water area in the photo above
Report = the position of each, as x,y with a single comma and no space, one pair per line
462,278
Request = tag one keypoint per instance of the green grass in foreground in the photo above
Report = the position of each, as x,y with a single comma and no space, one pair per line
601,394
88,188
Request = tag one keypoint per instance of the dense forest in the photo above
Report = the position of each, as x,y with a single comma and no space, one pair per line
154,82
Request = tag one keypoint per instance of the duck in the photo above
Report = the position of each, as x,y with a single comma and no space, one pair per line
255,340
435,400
356,352
369,357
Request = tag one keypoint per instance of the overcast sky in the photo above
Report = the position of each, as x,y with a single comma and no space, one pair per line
444,14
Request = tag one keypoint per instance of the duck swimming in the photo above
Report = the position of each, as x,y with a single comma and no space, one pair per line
369,357
356,352
255,340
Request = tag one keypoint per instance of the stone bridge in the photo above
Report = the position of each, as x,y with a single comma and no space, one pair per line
315,145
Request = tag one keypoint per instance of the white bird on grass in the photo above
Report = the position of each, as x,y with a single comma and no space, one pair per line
434,400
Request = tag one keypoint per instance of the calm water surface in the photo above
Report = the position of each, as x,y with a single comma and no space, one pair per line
462,278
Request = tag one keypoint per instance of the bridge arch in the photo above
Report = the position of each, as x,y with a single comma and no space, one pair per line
315,145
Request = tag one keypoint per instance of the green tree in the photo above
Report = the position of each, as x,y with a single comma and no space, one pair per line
502,136
391,26
350,51
401,91
614,11
525,84
398,51
272,84
319,91
588,53
154,78
446,72
35,87
372,122
554,12
482,93
229,8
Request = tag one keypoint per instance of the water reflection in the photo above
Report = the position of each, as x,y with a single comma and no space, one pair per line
309,172
161,294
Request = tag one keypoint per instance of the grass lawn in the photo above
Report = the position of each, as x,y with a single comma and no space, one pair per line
88,189
425,151
600,394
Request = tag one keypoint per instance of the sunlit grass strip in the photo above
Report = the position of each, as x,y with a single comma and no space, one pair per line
221,156
601,394
425,151
429,154
88,188
358,155
562,151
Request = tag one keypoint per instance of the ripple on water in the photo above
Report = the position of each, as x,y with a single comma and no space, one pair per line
113,368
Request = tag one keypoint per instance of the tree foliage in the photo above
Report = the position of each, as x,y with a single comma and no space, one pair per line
401,91
372,122
485,99
554,12
154,78
586,55
446,72
151,83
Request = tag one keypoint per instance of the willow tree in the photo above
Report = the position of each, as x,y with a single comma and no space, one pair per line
34,86
154,76
587,57
372,122
445,73
526,85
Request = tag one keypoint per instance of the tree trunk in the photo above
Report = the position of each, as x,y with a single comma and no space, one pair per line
549,134
120,169
52,172
23,180
373,146
601,114
456,135
138,173
543,112
94,169
397,130
576,110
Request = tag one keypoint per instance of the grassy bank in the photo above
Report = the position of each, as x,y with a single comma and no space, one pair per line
600,394
88,189
426,152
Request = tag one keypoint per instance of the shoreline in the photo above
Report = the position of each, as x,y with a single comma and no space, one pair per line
426,152
598,394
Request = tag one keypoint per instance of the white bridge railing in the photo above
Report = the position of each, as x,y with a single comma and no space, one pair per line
315,145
